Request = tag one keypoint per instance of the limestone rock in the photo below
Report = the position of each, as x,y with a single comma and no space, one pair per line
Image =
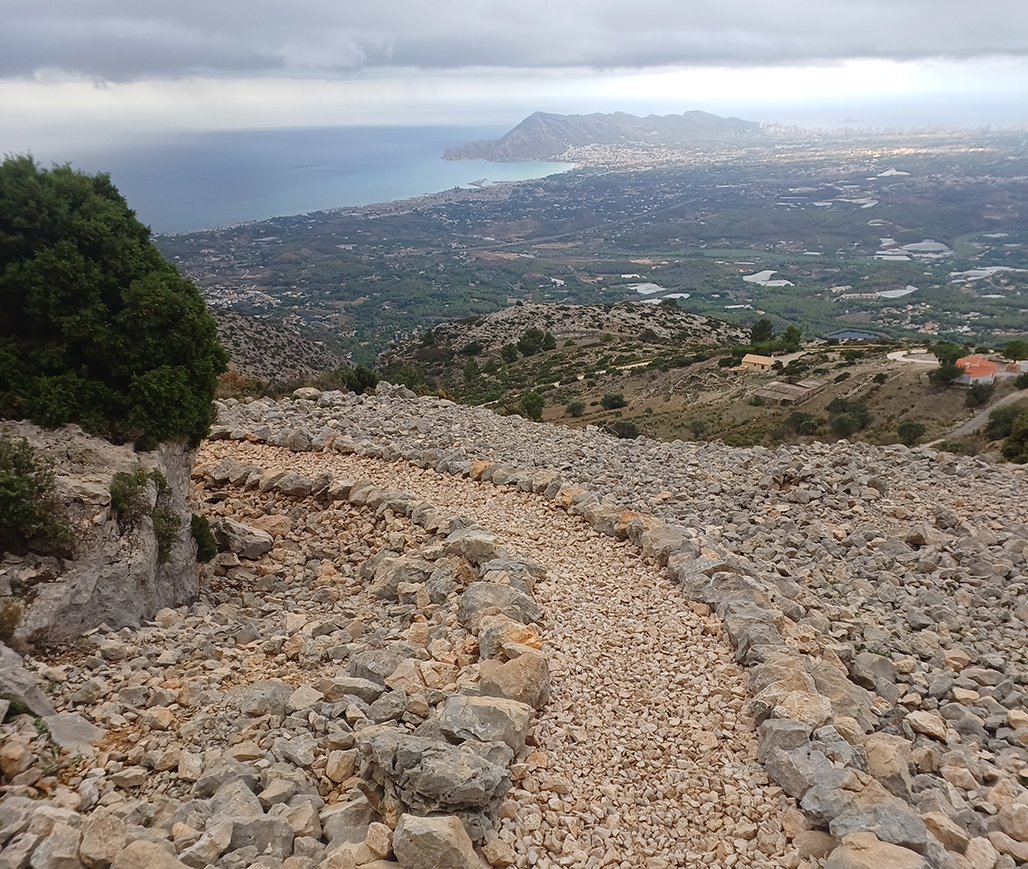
487,719
864,851
244,540
431,843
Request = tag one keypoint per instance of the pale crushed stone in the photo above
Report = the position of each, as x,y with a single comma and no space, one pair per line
642,757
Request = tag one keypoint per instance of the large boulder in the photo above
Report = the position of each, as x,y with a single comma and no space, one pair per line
244,540
433,843
423,775
487,719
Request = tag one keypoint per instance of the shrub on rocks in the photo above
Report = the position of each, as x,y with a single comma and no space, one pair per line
28,506
96,327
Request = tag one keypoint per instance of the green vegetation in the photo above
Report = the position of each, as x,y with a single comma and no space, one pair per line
351,379
624,429
1016,350
10,617
96,327
847,417
911,431
1015,447
1001,420
131,500
613,400
29,514
532,404
943,376
979,394
206,545
576,408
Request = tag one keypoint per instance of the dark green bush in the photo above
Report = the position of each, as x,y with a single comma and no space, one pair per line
532,404
1001,420
509,353
943,376
206,545
531,341
129,499
1015,447
166,524
624,429
880,378
1021,381
29,514
979,394
613,400
576,408
96,327
911,431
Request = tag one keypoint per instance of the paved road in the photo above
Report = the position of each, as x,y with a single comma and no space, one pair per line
978,420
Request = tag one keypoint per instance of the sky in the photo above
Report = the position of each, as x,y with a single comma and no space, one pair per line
97,69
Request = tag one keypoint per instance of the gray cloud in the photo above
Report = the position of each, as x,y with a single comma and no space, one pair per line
119,40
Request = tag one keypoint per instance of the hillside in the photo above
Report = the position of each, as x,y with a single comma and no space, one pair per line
431,627
543,136
496,356
269,351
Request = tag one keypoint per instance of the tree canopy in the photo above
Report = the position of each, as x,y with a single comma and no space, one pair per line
96,327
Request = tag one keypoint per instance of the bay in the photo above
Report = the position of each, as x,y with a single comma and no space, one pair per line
190,181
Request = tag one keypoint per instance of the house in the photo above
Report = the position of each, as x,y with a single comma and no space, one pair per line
977,369
757,363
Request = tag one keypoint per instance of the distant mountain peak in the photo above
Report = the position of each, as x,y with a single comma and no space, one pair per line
543,136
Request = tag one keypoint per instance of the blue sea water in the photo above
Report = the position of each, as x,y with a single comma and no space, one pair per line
190,181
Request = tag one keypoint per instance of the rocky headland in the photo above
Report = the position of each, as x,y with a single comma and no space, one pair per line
436,636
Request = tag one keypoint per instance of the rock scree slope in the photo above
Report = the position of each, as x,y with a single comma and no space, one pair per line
611,653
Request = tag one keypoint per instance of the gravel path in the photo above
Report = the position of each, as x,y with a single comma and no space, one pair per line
643,757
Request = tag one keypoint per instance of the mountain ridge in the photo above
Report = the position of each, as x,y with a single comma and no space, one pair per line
543,135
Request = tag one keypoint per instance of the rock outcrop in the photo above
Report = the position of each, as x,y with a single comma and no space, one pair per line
115,576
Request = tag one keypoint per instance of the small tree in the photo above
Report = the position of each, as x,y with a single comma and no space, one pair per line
1016,350
979,394
911,431
1001,420
943,376
531,341
1015,447
509,353
532,404
549,342
471,370
96,327
762,332
613,400
576,408
29,512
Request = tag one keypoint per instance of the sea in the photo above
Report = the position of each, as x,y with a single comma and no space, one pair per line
184,182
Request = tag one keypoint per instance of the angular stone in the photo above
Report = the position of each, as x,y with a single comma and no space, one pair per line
245,541
146,855
505,599
347,822
268,697
1009,846
340,765
73,733
812,710
235,800
864,851
487,719
889,823
780,733
888,760
1013,820
475,544
495,632
268,835
430,776
103,838
929,723
303,698
432,843
950,834
59,850
526,679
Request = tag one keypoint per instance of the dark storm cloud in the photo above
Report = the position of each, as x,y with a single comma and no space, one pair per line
121,40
